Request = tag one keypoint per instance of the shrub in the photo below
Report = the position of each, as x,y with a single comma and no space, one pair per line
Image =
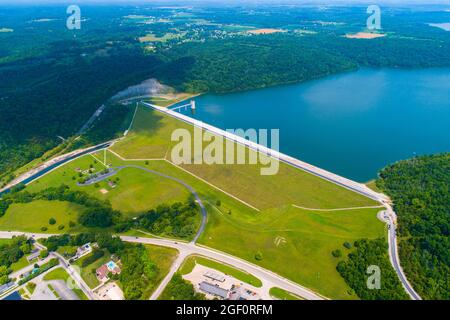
72,224
44,229
51,221
259,256
60,227
347,245
43,254
336,253
218,203
96,254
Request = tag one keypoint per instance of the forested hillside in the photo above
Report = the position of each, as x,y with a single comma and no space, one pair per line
53,79
420,190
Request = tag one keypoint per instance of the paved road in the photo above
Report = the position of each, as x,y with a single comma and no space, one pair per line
268,278
177,264
334,178
393,252
185,249
71,271
341,181
192,190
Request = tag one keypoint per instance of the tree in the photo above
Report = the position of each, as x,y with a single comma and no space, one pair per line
336,253
51,221
259,256
43,254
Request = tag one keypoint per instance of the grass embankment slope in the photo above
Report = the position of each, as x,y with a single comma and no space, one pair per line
293,242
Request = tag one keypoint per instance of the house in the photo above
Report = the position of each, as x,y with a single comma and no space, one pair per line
213,290
103,271
83,250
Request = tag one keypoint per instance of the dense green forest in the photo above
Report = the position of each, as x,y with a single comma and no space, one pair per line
354,270
178,220
420,190
10,253
53,79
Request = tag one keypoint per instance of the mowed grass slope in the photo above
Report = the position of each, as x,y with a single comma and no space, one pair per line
136,191
150,137
295,243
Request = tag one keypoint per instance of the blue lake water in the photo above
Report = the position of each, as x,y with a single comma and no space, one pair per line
13,296
352,124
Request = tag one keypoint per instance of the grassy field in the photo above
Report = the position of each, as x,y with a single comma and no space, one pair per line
281,294
20,264
61,274
31,217
88,272
190,262
163,258
295,243
135,192
151,138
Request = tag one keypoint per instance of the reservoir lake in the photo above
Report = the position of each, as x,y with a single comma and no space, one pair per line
352,124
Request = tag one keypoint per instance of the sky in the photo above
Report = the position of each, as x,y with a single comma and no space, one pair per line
380,2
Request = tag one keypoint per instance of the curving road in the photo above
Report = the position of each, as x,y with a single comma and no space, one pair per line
341,181
268,278
390,218
191,189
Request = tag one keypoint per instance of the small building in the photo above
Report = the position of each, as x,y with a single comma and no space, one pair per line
213,290
103,271
83,250
34,254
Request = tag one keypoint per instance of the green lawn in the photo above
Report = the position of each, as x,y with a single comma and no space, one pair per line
281,294
61,274
293,242
136,191
163,258
31,217
88,272
5,241
191,261
150,137
20,264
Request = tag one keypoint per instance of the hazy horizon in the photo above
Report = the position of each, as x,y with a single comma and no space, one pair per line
255,2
